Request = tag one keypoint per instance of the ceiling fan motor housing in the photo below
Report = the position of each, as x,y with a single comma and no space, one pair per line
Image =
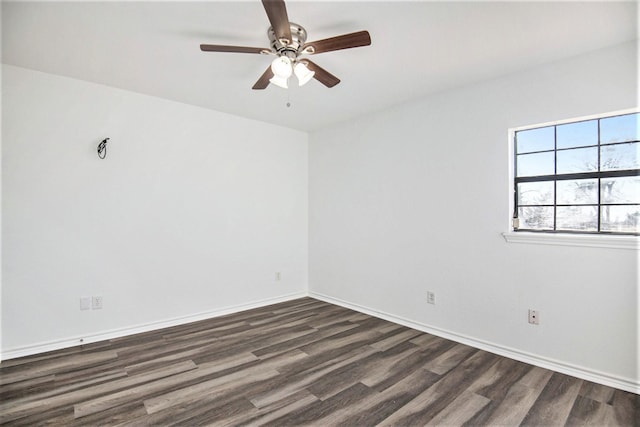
292,49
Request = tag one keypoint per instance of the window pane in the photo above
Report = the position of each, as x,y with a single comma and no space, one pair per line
620,129
620,156
540,139
535,164
577,192
578,218
577,134
620,190
577,160
622,219
535,193
536,218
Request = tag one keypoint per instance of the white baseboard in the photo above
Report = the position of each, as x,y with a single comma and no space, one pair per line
532,359
147,327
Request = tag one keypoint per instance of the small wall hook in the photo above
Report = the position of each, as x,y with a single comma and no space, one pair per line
102,148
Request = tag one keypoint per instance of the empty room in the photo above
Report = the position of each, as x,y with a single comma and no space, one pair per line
327,213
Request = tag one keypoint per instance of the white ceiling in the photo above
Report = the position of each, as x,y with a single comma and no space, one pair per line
418,48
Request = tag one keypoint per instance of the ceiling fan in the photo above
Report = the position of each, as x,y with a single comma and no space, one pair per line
288,43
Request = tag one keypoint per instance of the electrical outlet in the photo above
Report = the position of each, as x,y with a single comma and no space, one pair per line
278,276
96,302
534,317
431,297
85,303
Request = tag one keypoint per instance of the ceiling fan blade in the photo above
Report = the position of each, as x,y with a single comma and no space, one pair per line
345,41
263,81
234,49
322,75
277,14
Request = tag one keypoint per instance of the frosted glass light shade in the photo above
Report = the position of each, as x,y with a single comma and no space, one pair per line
279,81
281,67
303,73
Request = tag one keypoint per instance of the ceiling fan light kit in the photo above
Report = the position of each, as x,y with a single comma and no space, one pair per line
281,67
280,81
303,74
282,70
288,41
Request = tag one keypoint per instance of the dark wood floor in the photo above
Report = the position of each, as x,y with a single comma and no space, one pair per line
296,363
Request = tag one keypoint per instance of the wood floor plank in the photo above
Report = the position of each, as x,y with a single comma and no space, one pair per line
626,408
380,406
589,412
216,385
264,378
151,363
59,416
302,304
359,371
16,409
536,378
597,392
427,340
511,410
449,359
65,387
56,354
411,412
460,410
321,360
302,340
192,377
497,381
51,367
187,413
331,316
352,339
309,377
324,410
554,404
109,417
392,365
220,416
21,388
276,410
435,399
390,341
299,362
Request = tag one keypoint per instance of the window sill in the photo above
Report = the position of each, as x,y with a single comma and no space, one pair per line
595,241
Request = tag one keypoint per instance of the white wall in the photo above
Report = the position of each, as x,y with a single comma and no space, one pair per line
416,198
192,212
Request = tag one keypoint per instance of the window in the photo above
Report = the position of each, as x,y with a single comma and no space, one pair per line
579,177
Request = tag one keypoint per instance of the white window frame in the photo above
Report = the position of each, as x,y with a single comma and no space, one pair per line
563,239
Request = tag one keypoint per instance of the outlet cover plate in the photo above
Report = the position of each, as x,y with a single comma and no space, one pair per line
431,297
